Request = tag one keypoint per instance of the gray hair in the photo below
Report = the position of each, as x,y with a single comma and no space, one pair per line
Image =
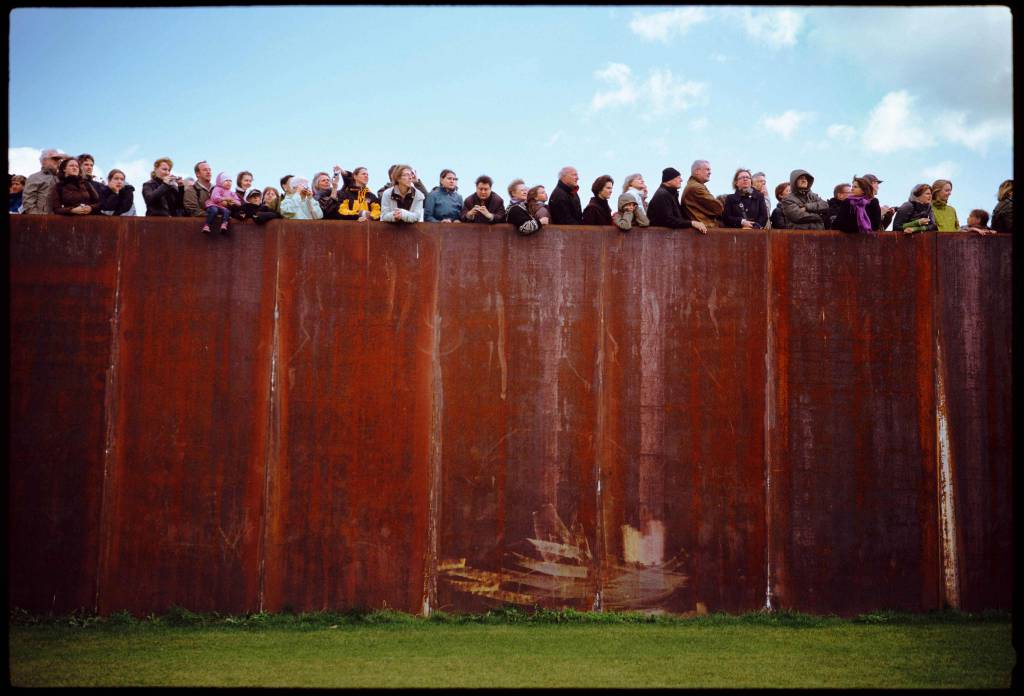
697,165
565,170
630,178
757,174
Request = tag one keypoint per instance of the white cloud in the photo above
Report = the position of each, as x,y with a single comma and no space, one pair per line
893,125
942,170
698,124
839,131
23,160
952,126
661,25
774,28
619,75
554,138
787,123
668,95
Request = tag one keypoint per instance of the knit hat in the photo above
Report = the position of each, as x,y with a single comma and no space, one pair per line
253,192
221,176
669,173
625,199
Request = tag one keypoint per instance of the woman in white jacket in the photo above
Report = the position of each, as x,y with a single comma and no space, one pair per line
300,204
403,202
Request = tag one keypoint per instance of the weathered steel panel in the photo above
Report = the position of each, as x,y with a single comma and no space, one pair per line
684,472
183,513
63,278
853,483
975,326
349,491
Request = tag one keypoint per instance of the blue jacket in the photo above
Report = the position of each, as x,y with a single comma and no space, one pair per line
442,205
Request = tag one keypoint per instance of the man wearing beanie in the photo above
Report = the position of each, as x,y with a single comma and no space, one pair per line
564,202
698,203
664,209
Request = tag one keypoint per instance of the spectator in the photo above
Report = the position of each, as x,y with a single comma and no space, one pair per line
760,183
86,162
916,214
1002,214
444,203
698,203
72,195
945,214
385,187
118,197
518,213
860,211
839,194
746,208
251,203
17,189
325,192
199,191
977,221
356,201
484,206
37,199
536,202
888,212
286,188
804,209
218,203
629,213
162,192
665,210
564,203
300,204
778,219
243,182
637,188
403,202
270,207
598,210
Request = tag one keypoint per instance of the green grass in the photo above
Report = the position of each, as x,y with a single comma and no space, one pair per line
512,648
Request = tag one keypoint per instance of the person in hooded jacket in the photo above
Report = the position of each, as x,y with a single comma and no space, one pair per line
630,213
859,212
746,207
804,209
564,202
517,213
444,202
598,210
356,201
665,209
778,219
1002,214
916,214
73,195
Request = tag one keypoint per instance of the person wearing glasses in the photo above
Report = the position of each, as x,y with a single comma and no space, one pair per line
444,204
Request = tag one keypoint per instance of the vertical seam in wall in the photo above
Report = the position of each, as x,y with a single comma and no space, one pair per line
769,410
434,480
273,440
110,411
599,391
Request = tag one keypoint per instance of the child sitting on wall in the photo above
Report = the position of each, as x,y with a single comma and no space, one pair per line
221,197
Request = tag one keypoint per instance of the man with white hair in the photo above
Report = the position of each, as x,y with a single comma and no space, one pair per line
698,202
36,199
564,202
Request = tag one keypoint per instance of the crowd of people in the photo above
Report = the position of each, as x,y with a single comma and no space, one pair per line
66,185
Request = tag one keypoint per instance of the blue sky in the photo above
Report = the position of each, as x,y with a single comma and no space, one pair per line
910,94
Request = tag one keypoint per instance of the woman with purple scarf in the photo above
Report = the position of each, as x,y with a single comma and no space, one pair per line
860,212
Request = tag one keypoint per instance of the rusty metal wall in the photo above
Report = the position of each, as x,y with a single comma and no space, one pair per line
326,415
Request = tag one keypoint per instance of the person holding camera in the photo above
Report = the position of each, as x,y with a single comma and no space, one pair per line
164,191
300,204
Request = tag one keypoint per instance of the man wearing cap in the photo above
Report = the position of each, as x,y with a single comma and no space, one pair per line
887,212
664,209
564,202
698,203
36,199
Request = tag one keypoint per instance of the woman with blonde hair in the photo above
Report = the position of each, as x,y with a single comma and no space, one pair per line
945,214
164,191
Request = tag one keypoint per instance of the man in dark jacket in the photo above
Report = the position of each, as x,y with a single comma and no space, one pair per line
564,202
839,194
483,207
804,209
664,209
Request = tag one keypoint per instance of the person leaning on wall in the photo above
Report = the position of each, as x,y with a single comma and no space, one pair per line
945,214
916,214
402,202
665,209
745,208
859,212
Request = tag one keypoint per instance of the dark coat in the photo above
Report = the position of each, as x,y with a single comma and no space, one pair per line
520,218
162,200
833,210
495,206
264,214
740,206
71,192
597,212
846,220
564,204
913,210
778,218
664,209
118,203
1002,216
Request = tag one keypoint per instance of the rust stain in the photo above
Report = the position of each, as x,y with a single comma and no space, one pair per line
947,498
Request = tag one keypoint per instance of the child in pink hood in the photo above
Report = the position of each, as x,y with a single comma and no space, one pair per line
221,197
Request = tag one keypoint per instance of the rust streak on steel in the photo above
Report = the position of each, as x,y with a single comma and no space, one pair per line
947,501
769,418
435,481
